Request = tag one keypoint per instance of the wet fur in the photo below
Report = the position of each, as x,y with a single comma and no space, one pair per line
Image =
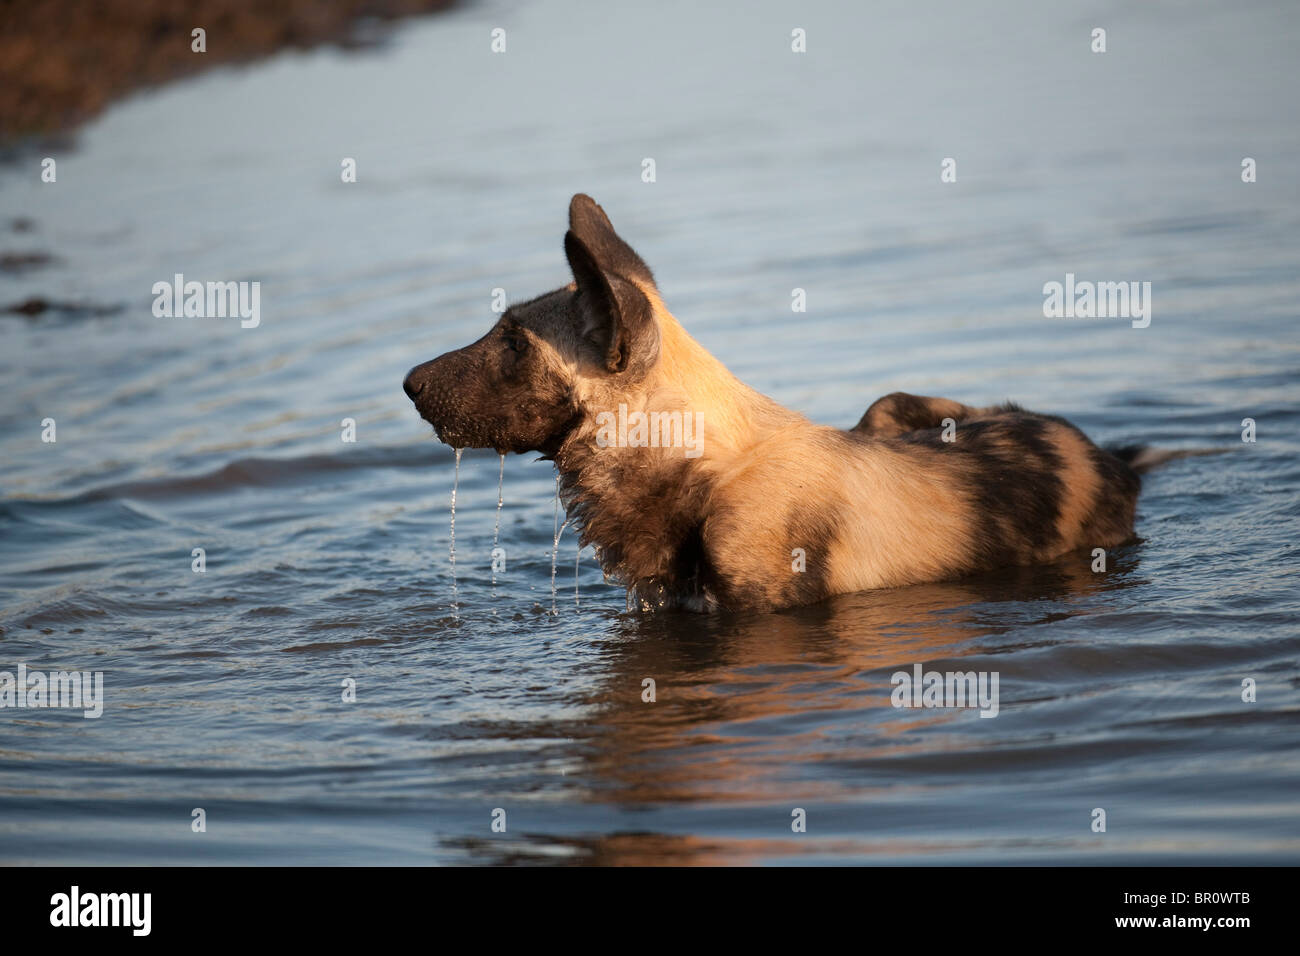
887,503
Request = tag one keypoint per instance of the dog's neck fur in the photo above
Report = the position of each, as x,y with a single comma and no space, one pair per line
643,508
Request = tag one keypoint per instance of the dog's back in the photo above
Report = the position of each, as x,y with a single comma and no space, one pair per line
822,511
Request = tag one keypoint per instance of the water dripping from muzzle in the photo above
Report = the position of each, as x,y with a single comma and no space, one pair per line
555,544
455,603
496,532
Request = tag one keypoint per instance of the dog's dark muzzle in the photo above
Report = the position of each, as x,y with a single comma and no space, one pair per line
442,392
471,403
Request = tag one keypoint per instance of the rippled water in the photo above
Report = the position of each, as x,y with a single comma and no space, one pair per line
328,560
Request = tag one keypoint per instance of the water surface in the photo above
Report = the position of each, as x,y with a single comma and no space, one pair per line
328,560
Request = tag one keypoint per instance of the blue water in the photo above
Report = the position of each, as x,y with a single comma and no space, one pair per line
328,560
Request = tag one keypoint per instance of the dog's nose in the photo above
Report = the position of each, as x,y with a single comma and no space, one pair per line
411,386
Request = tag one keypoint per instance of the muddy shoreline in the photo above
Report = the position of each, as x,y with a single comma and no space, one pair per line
65,61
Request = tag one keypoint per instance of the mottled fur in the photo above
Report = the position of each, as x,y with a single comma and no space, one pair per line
887,503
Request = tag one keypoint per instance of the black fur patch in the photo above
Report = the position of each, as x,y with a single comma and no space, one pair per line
898,412
1011,472
814,531
1113,518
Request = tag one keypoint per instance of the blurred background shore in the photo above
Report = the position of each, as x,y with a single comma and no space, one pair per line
65,60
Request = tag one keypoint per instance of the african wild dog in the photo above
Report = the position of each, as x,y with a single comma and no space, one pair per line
771,510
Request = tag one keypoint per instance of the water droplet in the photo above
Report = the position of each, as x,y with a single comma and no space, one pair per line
496,532
555,544
455,605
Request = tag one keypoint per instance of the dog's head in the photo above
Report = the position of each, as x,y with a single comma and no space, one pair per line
523,386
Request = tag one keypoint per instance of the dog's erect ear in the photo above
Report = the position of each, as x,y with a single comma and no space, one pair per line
616,315
589,223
